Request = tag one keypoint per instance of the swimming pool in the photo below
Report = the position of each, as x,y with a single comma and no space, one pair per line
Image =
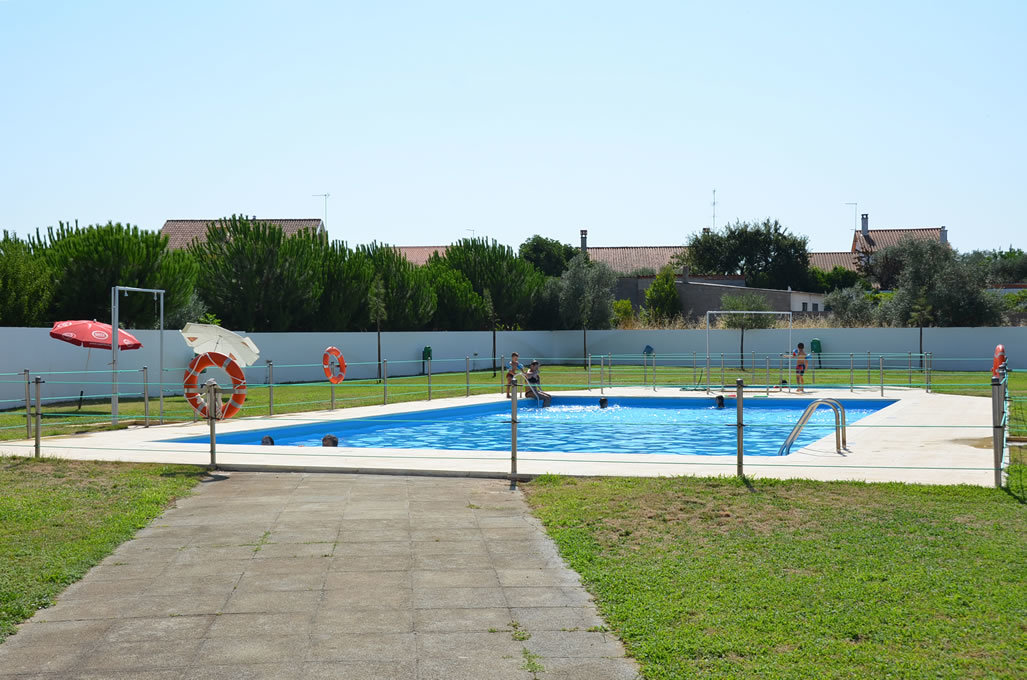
684,426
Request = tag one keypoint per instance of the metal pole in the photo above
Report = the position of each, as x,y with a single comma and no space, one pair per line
385,381
709,379
502,372
28,407
694,380
609,369
881,358
753,364
654,371
930,370
852,369
429,379
146,399
114,355
331,388
868,368
213,402
812,369
910,369
789,373
270,388
513,433
722,385
645,364
739,424
160,376
588,374
997,430
467,374
768,375
39,410
602,381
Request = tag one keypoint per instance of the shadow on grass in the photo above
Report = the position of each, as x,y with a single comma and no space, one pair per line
1016,483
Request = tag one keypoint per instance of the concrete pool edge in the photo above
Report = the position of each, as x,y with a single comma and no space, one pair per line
903,442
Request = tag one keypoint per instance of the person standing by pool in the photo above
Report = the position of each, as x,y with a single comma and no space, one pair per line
800,367
513,368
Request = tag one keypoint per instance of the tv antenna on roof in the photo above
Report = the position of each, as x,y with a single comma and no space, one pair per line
714,204
325,197
855,216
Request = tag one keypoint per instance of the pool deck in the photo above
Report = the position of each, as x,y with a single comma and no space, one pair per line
923,438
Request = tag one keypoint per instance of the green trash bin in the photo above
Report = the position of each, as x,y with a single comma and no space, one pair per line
815,348
425,356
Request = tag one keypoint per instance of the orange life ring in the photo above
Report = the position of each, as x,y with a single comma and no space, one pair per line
192,389
326,362
1000,358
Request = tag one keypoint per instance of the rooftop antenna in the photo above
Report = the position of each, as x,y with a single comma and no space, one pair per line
855,216
325,197
472,233
714,209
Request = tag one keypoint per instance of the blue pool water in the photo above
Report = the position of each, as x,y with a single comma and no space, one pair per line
577,425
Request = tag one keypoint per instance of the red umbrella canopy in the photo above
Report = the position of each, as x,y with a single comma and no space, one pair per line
92,334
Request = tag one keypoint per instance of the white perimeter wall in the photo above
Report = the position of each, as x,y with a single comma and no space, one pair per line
34,349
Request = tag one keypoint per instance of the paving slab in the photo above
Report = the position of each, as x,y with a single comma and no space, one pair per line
397,578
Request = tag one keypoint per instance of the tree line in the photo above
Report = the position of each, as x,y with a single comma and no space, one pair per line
913,283
249,275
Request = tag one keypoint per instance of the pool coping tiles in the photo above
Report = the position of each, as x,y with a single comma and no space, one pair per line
924,438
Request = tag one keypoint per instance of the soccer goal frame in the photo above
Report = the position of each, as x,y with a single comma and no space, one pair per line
787,350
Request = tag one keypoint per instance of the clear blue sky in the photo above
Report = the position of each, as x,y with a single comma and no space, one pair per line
424,120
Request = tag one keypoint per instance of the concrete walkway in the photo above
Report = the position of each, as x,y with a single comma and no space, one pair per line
279,575
921,439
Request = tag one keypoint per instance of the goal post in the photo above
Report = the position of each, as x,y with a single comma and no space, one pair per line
726,312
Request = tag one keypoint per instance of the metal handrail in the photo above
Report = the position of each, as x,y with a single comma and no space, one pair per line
839,425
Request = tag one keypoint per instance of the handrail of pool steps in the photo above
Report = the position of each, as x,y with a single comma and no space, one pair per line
839,425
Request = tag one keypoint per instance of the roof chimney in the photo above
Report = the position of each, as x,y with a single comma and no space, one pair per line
865,220
705,230
584,241
944,234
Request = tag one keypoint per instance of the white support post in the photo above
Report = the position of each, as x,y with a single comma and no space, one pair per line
739,424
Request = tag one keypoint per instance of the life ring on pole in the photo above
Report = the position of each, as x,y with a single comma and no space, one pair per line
1000,358
193,390
326,362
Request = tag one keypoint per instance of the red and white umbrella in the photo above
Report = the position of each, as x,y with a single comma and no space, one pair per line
94,334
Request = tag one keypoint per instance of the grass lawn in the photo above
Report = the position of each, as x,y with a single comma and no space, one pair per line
58,518
796,579
68,417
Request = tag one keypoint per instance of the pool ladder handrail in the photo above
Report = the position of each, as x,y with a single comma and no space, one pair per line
839,425
534,391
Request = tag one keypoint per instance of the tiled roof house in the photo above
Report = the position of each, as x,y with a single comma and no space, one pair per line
622,259
181,233
828,261
868,240
625,259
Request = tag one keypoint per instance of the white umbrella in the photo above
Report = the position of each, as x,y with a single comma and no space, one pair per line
205,338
